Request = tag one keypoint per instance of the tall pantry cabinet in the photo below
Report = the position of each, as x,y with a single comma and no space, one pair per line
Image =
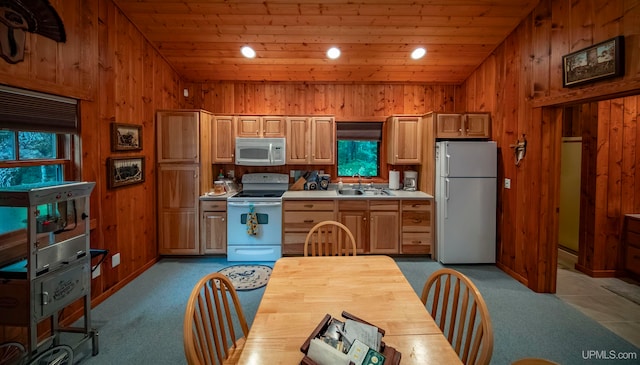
184,173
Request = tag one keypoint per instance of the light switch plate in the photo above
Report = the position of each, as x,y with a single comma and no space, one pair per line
115,260
507,183
95,273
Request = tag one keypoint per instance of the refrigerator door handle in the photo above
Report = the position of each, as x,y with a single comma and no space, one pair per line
446,196
448,157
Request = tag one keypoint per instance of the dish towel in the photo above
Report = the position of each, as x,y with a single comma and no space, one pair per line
252,222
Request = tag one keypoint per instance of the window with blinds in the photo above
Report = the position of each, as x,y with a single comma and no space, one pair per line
359,148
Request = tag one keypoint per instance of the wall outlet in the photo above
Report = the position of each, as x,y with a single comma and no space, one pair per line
115,260
507,183
292,173
95,273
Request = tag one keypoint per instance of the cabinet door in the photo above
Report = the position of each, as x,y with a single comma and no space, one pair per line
224,143
323,140
407,140
356,221
214,232
477,125
297,140
273,127
449,125
248,126
178,209
383,232
178,136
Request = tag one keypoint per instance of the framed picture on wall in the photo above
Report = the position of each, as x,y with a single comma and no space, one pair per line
125,171
600,61
126,137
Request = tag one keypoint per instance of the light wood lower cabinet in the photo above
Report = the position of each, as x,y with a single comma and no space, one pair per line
379,226
374,224
178,193
355,215
213,227
299,216
417,227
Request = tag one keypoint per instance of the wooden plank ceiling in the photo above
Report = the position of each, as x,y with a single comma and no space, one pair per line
201,39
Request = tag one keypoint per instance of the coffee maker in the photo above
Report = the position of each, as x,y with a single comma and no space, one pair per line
410,180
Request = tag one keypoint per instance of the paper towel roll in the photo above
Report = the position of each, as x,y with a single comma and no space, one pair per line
394,180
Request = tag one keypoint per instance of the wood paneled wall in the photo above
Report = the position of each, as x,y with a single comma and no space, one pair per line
521,85
355,102
611,178
119,77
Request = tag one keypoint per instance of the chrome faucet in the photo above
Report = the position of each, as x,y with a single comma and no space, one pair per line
359,180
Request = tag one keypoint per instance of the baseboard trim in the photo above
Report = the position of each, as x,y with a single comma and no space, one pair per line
597,273
513,274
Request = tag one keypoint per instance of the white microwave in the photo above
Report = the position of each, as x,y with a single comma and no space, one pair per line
260,151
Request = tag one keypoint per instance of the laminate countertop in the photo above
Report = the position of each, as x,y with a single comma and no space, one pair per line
332,194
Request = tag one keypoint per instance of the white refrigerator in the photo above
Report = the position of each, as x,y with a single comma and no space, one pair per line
466,184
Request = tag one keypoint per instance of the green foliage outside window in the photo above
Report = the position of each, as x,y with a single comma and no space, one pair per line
358,157
16,146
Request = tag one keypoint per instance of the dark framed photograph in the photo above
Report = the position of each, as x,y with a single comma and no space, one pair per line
125,171
126,137
600,61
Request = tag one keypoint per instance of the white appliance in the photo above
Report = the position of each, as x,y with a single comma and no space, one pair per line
261,198
466,202
260,151
411,180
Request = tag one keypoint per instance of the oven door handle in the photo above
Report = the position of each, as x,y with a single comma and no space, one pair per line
256,204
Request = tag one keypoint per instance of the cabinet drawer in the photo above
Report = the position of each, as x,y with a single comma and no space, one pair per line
416,243
422,205
309,205
416,221
361,204
384,205
213,205
300,220
632,259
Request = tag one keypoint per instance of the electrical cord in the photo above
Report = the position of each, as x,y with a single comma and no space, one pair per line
98,252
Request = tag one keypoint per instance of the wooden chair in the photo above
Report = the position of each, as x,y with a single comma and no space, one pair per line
209,332
456,305
329,238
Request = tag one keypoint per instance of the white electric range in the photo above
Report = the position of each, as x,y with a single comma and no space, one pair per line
260,200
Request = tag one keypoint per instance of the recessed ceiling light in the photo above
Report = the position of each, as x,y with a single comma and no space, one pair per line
333,53
418,53
248,52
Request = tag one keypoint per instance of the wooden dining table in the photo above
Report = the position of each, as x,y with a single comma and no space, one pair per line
302,290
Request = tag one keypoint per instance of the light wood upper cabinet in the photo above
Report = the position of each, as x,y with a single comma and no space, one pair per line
260,126
311,140
323,140
477,125
405,144
455,125
178,136
223,142
298,134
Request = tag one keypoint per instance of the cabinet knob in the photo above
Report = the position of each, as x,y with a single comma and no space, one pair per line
364,219
460,130
223,219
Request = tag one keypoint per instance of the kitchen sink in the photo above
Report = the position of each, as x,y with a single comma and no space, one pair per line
367,192
350,192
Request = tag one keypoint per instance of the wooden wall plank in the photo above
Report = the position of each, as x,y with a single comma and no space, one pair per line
522,85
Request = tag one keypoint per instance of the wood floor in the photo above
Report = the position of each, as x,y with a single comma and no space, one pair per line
591,297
